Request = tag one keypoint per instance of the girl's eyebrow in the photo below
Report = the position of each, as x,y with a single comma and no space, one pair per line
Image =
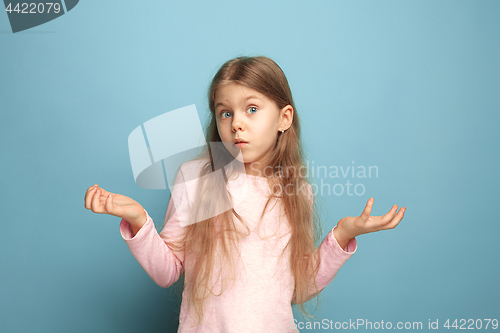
245,99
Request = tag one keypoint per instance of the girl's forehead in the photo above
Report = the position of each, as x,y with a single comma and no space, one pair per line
233,90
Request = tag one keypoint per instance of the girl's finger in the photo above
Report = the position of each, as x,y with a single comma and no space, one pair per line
96,204
92,187
88,196
368,209
390,215
109,204
104,193
395,221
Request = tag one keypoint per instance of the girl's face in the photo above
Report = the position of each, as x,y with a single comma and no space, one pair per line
243,113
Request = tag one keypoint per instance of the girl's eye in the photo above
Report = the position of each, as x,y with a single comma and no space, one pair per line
227,114
224,113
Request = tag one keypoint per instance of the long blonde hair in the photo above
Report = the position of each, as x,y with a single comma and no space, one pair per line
214,241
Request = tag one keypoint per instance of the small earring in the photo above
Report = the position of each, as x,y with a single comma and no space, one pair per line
282,131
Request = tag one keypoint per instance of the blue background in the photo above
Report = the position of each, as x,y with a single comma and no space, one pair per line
408,86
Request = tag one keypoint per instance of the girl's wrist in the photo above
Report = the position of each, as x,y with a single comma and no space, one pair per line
140,221
136,226
342,235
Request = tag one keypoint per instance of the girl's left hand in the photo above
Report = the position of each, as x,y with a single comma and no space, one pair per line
350,227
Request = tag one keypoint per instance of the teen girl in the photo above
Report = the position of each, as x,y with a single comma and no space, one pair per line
243,266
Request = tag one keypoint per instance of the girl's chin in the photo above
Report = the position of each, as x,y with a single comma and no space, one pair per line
238,155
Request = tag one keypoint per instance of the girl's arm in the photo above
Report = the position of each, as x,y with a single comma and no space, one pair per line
151,249
161,263
340,244
331,258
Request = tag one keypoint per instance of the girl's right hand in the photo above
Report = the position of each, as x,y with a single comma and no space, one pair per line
101,201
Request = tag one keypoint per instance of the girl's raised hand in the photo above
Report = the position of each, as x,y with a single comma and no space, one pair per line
103,202
350,227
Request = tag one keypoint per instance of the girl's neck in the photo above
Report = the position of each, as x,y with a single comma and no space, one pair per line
254,169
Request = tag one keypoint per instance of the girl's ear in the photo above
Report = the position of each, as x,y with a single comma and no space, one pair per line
286,117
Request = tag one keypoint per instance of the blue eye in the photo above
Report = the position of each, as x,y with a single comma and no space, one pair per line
252,107
224,112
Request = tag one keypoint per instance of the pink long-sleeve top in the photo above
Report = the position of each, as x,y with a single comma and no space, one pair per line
261,297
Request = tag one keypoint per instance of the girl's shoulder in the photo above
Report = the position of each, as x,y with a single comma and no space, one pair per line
191,169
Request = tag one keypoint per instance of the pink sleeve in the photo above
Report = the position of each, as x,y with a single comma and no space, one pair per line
332,257
163,265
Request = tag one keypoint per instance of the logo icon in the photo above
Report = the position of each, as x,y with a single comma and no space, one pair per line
25,15
169,140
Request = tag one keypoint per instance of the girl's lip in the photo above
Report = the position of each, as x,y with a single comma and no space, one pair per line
241,144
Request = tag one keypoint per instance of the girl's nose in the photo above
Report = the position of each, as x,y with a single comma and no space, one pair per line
237,123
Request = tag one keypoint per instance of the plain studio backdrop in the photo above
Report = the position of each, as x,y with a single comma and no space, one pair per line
408,87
